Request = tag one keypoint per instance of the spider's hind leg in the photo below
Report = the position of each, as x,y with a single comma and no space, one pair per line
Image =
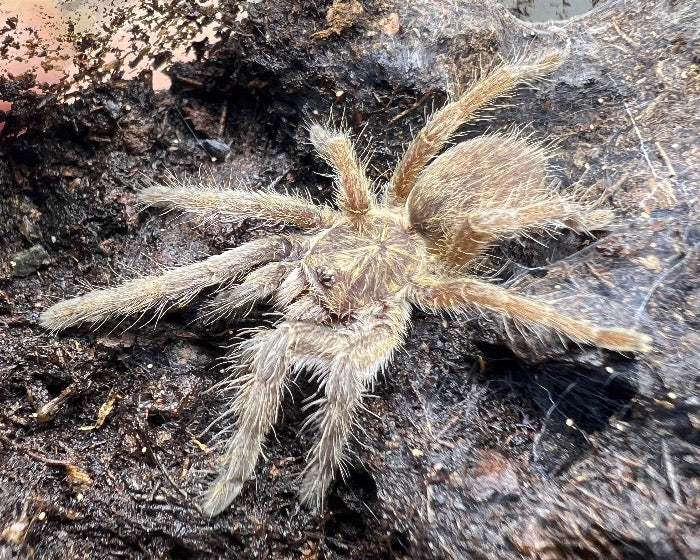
460,295
490,188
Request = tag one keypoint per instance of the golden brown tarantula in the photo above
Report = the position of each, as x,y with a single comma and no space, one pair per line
345,287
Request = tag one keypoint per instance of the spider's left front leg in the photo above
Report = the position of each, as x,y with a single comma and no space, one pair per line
458,295
349,363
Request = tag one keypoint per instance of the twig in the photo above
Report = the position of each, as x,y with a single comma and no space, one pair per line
413,107
170,479
277,180
626,37
188,81
222,118
671,473
667,161
642,145
35,455
428,504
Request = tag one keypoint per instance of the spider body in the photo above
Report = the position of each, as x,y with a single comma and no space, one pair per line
346,283
350,267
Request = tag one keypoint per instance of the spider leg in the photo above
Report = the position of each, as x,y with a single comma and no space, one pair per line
238,204
265,362
489,188
175,288
263,358
550,212
349,367
445,122
354,188
462,294
259,284
348,360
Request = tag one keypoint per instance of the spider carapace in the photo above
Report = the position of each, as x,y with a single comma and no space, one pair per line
356,266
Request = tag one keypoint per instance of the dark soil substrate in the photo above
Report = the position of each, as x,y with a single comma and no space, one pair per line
475,446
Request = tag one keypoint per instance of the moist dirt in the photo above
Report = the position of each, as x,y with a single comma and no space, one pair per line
474,444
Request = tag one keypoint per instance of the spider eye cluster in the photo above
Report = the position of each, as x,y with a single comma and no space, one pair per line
326,276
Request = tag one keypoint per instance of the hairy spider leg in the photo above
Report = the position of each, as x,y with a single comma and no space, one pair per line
353,358
492,187
354,190
464,294
259,284
261,372
238,204
175,288
345,359
444,123
263,359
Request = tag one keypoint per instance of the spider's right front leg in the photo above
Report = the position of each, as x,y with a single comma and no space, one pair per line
263,359
174,288
347,361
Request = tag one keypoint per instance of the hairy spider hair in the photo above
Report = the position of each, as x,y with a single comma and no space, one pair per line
346,279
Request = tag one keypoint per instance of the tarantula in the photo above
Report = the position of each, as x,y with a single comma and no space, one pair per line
346,286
